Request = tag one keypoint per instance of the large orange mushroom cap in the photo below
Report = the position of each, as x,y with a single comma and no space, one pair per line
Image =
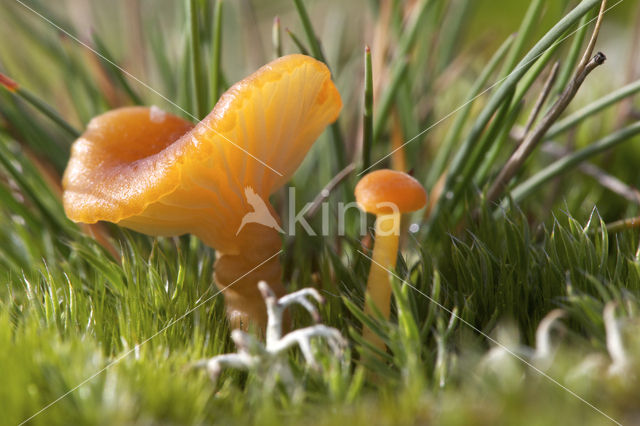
377,189
157,173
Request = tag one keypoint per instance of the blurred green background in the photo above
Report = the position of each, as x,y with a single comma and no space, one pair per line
67,306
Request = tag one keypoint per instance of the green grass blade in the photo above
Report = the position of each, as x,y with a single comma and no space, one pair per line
34,187
185,85
398,73
522,36
573,56
38,104
338,148
276,38
399,68
87,98
309,31
301,47
570,161
108,61
444,151
216,55
451,32
496,147
593,108
316,50
532,75
367,119
157,44
197,65
489,138
29,130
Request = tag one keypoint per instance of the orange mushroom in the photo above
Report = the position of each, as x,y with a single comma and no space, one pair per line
387,194
159,174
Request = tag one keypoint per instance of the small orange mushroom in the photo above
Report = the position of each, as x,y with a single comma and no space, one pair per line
159,174
387,194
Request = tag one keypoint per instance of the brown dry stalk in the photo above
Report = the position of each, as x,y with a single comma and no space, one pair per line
534,137
548,85
594,37
328,188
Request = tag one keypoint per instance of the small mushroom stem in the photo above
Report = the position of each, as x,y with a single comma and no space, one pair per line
385,253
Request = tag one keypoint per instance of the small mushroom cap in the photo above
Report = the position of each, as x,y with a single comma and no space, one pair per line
377,189
159,174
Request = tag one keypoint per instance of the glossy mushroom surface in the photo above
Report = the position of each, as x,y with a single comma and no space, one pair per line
378,189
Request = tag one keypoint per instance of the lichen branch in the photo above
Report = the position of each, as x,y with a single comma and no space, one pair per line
254,355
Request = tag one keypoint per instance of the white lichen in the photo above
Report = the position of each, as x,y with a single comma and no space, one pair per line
254,355
617,364
615,347
545,350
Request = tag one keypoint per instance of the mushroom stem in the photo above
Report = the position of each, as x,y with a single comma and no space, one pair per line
385,253
237,276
